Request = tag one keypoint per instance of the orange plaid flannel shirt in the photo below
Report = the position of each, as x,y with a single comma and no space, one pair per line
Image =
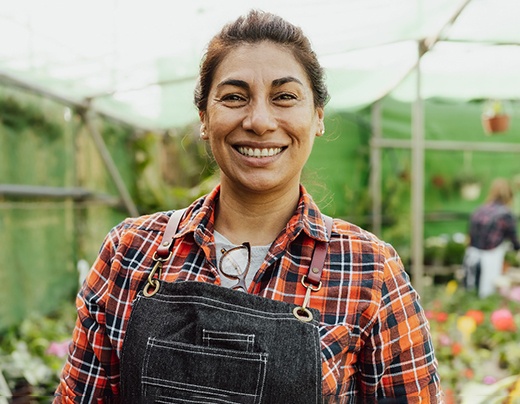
375,340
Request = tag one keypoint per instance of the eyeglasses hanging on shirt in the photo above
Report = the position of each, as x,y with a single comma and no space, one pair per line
234,264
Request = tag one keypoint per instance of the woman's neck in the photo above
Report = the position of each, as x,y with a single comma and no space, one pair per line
254,217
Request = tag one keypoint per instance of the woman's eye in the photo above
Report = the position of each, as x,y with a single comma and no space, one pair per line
233,98
285,97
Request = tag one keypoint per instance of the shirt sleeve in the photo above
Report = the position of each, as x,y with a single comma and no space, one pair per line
398,360
91,372
510,232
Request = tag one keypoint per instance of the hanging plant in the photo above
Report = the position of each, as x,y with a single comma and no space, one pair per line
469,185
495,117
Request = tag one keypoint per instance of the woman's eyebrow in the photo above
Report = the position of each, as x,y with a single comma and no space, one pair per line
287,79
235,83
276,82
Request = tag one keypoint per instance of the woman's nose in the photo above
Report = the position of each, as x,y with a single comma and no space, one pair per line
260,118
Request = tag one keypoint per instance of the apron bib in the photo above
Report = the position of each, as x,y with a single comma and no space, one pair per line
193,342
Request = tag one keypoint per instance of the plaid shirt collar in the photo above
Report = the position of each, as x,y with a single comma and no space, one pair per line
200,219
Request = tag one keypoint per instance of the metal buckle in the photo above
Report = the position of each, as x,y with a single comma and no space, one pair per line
151,282
302,313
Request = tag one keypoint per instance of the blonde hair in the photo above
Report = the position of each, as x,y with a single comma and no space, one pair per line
500,192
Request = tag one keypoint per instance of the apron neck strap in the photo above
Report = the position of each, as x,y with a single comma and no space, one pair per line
171,228
319,254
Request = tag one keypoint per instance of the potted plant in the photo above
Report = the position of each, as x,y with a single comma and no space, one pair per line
495,118
469,184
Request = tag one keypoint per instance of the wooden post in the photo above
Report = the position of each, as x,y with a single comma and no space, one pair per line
109,163
376,169
417,190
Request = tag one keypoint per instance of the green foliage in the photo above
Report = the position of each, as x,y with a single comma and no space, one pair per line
336,173
171,170
445,249
19,117
34,352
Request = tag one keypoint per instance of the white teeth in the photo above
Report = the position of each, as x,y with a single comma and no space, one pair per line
250,152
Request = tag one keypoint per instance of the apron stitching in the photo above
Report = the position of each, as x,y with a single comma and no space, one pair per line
193,387
261,359
318,369
261,384
181,299
258,357
144,374
276,316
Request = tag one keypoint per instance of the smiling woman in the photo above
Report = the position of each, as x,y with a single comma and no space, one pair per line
251,279
260,101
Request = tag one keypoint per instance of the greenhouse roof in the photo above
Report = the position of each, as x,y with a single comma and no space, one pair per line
137,60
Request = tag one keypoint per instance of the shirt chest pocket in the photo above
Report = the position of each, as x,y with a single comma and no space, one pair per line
339,351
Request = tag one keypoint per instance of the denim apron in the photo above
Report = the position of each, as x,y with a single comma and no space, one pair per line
194,342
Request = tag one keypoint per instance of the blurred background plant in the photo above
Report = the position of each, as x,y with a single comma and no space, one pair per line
445,249
32,355
476,342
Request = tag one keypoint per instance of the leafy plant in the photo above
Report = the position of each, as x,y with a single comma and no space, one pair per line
18,116
494,108
33,354
475,340
445,249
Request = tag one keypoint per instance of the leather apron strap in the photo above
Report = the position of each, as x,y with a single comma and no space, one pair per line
311,281
319,254
163,253
171,228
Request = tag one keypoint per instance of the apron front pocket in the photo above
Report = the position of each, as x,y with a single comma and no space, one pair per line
190,373
228,340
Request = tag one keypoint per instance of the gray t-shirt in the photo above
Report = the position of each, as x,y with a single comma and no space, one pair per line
258,254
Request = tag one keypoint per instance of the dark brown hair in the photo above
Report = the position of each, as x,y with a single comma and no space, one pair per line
258,26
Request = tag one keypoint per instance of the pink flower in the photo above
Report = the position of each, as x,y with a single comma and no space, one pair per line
489,379
502,320
444,340
59,349
514,294
430,314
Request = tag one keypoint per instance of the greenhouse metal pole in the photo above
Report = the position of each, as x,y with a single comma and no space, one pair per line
417,190
109,163
375,169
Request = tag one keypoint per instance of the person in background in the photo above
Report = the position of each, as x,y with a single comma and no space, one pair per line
251,294
492,231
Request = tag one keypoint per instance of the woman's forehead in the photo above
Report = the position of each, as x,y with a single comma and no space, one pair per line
270,60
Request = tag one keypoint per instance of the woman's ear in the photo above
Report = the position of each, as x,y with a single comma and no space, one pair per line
203,130
321,124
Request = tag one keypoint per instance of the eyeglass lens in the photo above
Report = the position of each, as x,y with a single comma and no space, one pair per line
234,264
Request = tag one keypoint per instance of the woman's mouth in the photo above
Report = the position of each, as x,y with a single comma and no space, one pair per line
259,153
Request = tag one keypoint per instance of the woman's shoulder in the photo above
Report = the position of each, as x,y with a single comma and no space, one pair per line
345,228
153,222
361,239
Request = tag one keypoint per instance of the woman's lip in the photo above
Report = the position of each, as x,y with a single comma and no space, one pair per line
259,152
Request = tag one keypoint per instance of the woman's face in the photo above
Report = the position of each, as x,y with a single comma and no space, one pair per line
261,120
